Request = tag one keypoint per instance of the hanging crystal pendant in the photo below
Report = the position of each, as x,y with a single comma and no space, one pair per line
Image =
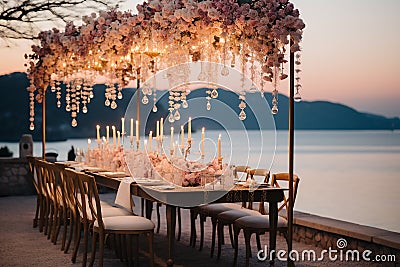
91,95
224,71
297,97
53,89
242,115
177,115
58,103
171,118
68,108
84,109
107,102
113,104
119,95
274,109
214,93
74,123
185,104
145,100
155,108
208,106
32,126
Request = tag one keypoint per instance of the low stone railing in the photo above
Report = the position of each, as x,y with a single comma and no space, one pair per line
15,177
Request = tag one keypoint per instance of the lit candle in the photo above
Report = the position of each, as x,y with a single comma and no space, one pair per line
122,126
114,136
89,141
219,146
202,141
98,133
158,130
190,129
119,138
108,133
151,141
172,138
137,131
182,137
131,130
161,128
145,144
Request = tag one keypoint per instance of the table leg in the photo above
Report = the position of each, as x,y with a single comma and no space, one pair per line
273,221
149,209
171,224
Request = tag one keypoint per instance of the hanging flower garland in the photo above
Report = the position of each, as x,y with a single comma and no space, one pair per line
121,46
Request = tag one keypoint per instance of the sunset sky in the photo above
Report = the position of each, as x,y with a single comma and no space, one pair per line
350,53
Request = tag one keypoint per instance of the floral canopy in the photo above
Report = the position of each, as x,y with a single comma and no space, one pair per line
250,35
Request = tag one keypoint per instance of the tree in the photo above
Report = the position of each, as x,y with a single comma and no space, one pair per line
22,19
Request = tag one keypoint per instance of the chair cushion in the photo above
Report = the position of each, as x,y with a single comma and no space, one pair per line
259,222
112,211
214,209
232,215
127,223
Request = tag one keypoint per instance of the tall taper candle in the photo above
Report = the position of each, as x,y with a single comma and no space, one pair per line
190,129
114,136
182,137
202,141
108,133
89,141
137,131
161,128
158,130
131,137
119,138
98,133
123,126
219,146
150,141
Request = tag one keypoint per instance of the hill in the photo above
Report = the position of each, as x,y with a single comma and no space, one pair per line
316,115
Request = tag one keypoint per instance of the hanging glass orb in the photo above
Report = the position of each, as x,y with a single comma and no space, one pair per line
107,102
274,109
177,115
58,103
171,118
242,115
113,104
84,109
32,126
214,93
68,108
185,104
145,100
119,95
208,105
74,123
91,95
297,97
225,71
155,108
53,89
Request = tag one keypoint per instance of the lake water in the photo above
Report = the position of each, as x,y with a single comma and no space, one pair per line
347,175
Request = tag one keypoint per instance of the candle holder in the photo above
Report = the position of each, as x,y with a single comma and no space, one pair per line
171,152
220,162
137,145
122,139
187,151
98,143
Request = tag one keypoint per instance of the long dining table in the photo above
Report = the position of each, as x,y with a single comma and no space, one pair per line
272,195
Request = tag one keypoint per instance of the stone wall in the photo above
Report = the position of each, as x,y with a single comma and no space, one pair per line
15,177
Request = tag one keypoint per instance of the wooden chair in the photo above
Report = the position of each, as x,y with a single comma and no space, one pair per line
84,216
36,180
212,210
227,218
129,225
260,224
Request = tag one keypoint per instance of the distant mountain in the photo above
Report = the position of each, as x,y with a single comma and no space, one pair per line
316,115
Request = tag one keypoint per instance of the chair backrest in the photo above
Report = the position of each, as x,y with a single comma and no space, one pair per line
239,171
87,197
276,178
33,168
264,173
